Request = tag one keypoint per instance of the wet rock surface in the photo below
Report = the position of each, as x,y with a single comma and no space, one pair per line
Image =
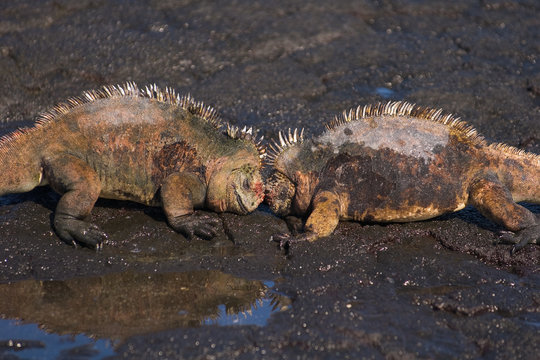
434,289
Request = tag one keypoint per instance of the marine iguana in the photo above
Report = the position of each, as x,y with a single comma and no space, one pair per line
398,162
149,146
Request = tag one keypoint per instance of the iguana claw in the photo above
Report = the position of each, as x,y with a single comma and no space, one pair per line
201,225
520,239
286,240
74,231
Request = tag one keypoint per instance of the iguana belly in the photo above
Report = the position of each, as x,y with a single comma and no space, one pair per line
401,214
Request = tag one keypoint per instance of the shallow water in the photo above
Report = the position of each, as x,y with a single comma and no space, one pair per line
88,316
28,341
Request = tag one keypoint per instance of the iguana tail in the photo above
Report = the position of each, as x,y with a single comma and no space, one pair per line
519,171
20,169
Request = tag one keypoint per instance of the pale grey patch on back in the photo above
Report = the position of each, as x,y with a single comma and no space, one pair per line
120,111
418,138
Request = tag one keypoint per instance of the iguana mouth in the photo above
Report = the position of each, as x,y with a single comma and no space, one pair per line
240,202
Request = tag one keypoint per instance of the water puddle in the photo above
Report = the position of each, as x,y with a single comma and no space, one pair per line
47,319
384,92
28,341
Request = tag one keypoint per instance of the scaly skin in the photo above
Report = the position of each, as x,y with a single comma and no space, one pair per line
149,146
396,162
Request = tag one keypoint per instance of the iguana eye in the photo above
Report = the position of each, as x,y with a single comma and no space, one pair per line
246,184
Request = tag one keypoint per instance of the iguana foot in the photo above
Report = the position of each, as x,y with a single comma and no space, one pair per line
529,235
295,224
286,240
74,231
201,225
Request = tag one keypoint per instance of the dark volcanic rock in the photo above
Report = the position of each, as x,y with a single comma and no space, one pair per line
435,289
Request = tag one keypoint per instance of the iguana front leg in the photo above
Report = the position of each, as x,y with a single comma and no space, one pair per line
180,194
80,186
495,202
322,221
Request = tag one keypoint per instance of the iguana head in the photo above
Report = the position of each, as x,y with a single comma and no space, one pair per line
279,194
283,157
235,185
244,189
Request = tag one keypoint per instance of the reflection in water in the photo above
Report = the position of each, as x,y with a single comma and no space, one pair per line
117,306
27,341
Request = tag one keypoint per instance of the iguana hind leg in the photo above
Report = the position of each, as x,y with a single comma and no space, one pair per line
495,202
80,187
180,194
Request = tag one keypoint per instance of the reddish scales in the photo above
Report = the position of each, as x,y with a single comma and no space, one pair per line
145,145
398,162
